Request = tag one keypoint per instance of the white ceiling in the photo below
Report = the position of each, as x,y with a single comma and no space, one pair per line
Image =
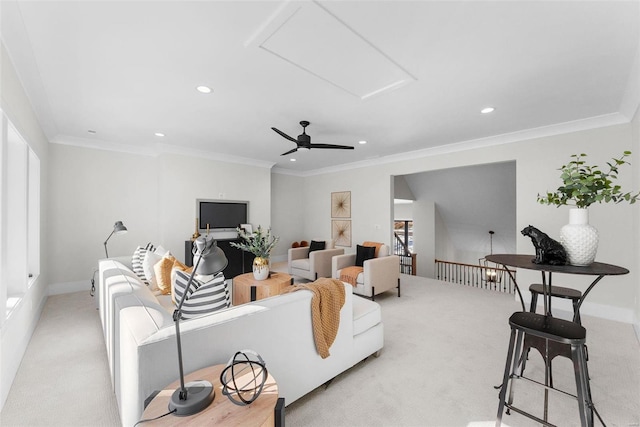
404,76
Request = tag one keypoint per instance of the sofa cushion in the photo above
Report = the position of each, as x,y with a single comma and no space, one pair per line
138,258
151,258
177,266
316,246
203,296
366,314
301,264
210,296
364,253
162,271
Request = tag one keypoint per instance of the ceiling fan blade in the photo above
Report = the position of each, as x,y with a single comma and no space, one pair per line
341,147
289,152
284,135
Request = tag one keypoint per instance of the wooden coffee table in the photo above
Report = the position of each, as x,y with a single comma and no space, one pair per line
221,411
274,285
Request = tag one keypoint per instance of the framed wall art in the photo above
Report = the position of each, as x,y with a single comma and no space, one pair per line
341,204
341,232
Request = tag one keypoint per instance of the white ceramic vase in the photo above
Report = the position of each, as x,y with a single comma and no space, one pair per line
260,268
579,239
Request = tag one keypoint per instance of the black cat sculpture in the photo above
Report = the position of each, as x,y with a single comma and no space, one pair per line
548,251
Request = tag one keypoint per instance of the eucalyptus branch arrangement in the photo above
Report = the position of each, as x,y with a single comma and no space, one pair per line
585,184
259,243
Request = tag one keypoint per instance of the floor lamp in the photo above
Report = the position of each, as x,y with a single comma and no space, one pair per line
195,396
118,228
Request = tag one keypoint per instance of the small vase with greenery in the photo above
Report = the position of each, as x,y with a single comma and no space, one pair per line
584,185
259,244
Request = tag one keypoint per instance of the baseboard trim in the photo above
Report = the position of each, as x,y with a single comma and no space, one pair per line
609,312
70,287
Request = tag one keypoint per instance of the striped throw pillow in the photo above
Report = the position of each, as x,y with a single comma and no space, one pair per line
203,297
138,259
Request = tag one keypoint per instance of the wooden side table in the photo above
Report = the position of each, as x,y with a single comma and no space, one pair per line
261,413
246,288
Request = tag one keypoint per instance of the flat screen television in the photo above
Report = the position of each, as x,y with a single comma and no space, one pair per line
221,215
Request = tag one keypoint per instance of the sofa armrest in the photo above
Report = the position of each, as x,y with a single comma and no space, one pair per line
298,253
320,261
341,261
382,273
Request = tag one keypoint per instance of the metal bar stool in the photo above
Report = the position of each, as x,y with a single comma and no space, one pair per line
552,337
558,292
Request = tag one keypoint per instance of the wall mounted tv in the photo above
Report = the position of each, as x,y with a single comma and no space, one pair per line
221,215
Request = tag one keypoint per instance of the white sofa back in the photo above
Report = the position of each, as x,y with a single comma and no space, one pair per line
144,358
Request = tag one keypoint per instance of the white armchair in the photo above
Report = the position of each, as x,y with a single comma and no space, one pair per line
380,274
312,265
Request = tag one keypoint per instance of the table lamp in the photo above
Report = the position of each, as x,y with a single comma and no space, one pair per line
118,228
195,396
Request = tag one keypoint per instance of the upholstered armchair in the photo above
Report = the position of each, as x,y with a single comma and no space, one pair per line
313,261
380,270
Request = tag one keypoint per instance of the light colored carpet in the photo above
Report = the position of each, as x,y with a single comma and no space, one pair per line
445,349
63,379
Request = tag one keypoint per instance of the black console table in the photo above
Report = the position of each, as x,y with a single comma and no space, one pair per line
239,261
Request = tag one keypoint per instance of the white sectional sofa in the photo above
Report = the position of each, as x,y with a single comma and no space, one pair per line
141,344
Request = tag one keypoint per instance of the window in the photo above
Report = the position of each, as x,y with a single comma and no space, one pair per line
19,216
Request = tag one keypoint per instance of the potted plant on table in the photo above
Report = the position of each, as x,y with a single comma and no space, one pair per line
584,185
259,244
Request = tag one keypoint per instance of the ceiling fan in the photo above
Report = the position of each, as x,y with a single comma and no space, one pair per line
304,140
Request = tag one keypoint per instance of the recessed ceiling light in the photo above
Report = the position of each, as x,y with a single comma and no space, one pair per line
487,110
362,142
92,132
159,134
203,89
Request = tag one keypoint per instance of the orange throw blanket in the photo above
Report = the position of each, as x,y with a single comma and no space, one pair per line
328,299
350,274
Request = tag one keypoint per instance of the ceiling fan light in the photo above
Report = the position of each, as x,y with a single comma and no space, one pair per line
204,89
362,142
487,110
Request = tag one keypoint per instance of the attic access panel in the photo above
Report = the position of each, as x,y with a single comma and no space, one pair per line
310,37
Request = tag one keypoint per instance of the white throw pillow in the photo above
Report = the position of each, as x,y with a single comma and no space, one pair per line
151,258
137,259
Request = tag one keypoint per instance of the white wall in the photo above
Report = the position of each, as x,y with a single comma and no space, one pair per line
537,163
424,235
287,212
18,328
153,196
403,211
371,205
444,247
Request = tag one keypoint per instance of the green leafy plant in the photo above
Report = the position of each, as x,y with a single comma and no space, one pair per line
259,243
584,185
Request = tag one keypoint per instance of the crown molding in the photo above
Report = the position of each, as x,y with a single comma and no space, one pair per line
155,150
507,138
